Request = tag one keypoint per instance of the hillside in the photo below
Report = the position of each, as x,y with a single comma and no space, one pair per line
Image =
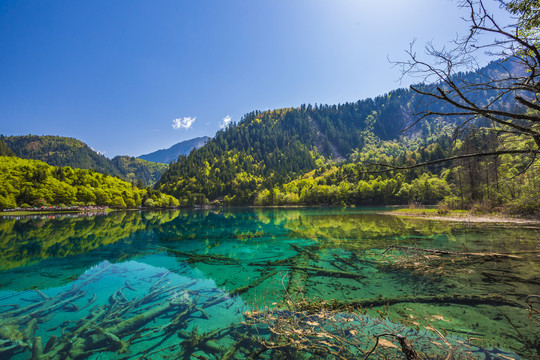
5,150
264,148
165,156
65,151
133,169
26,182
270,148
321,154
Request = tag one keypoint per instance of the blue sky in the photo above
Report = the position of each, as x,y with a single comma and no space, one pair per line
127,77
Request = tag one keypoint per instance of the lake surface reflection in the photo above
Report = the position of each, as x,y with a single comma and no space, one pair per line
177,284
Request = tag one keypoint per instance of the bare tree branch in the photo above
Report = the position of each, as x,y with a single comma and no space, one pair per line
390,167
513,81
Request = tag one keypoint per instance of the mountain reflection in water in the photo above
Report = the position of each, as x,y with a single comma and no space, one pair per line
178,283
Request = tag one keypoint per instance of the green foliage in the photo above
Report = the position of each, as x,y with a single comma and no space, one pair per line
262,150
5,150
248,162
527,12
268,149
64,151
236,177
134,169
34,183
60,151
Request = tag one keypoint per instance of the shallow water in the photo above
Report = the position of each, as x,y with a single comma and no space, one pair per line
176,284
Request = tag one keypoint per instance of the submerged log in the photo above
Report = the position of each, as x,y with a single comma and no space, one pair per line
40,293
50,343
8,347
30,329
500,276
430,299
94,334
229,354
444,252
180,319
347,262
245,288
329,272
204,258
298,277
37,348
214,301
127,326
89,321
407,348
237,346
194,341
269,263
256,355
39,309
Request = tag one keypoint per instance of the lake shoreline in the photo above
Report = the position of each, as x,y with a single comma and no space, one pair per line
74,210
464,217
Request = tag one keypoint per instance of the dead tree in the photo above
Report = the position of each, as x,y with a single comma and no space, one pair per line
512,81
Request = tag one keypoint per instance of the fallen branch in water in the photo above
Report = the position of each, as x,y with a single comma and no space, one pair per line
323,328
444,252
503,276
298,277
406,346
532,310
243,289
204,258
329,272
432,299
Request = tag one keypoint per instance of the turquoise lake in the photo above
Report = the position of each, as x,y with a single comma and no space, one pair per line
309,283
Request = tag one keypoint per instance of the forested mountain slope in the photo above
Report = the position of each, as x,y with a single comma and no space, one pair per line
165,156
264,148
248,162
65,151
26,182
138,170
5,150
273,147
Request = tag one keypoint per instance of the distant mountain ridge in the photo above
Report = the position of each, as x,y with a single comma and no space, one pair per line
165,156
65,151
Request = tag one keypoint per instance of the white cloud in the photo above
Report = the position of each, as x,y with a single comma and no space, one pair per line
225,122
184,122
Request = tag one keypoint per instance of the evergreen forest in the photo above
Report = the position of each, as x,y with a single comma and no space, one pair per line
346,154
351,154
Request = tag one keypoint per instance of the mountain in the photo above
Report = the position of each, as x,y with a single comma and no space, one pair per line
5,150
165,156
25,182
269,148
134,169
266,151
59,151
65,151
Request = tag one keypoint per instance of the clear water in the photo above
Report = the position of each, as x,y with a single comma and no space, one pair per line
178,284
